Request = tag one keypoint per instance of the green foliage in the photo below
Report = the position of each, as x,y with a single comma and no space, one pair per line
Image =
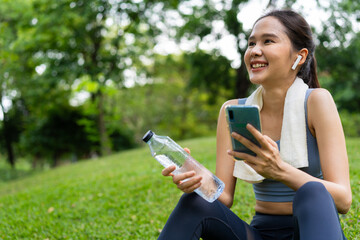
351,123
58,134
176,103
209,73
53,45
51,51
343,69
338,54
123,196
181,115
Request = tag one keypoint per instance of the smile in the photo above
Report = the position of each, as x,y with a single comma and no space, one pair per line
258,65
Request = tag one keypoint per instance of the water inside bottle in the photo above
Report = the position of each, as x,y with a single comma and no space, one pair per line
165,161
211,186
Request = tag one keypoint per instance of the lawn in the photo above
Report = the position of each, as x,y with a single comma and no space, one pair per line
123,196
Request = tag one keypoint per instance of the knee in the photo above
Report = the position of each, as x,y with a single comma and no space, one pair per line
311,192
191,200
194,203
311,188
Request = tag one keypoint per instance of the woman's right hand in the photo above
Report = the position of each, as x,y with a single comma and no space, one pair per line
186,182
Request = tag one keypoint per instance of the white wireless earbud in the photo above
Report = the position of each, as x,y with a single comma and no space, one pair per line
296,62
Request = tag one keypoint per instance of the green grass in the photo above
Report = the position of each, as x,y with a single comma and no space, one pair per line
123,196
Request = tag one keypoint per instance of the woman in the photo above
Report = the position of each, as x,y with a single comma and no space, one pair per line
291,203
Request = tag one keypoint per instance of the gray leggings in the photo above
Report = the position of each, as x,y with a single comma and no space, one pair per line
315,217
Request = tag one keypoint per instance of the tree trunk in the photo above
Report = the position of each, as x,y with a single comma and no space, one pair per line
242,82
104,139
7,137
8,144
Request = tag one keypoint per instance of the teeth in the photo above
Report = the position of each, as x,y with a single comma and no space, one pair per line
258,65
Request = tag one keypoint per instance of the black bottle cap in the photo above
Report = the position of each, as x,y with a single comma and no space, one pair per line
147,136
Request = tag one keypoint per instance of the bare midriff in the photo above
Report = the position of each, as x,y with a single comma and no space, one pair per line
274,208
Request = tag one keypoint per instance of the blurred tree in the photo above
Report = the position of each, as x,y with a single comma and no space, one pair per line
11,129
90,43
169,104
60,133
12,69
56,50
202,21
209,73
338,54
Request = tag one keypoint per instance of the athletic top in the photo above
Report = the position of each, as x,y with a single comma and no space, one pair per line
274,191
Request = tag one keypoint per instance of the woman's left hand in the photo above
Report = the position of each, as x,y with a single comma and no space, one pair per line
267,161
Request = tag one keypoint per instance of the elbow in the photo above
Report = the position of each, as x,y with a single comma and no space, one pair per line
345,206
226,200
229,204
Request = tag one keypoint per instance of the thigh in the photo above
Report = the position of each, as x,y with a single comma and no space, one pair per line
226,225
194,217
316,215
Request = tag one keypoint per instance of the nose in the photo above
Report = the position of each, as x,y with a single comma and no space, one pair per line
256,51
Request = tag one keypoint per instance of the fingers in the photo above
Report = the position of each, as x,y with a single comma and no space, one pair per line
187,182
272,142
241,155
246,142
264,141
258,135
168,171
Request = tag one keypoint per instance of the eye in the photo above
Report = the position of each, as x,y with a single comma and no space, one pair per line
267,41
251,44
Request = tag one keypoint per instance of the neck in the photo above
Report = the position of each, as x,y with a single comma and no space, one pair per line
274,98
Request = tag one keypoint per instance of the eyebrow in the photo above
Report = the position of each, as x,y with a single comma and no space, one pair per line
265,35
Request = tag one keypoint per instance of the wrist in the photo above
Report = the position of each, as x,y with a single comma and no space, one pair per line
285,171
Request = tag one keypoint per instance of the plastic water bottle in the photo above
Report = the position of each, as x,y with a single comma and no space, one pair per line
167,153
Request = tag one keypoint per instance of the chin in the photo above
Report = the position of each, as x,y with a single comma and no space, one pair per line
256,80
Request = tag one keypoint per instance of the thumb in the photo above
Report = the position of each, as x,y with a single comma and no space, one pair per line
187,150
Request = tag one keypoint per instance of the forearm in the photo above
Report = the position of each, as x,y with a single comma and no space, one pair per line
295,178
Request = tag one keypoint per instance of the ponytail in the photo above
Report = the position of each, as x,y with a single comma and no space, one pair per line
308,72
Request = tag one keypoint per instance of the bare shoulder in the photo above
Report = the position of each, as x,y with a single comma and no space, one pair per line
321,102
222,115
322,110
320,96
230,102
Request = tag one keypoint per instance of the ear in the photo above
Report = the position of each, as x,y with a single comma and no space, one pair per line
303,53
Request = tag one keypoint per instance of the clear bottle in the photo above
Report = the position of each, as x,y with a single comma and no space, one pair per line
167,153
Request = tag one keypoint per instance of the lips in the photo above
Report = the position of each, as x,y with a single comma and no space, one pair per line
258,64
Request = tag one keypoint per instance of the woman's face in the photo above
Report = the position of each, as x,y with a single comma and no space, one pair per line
270,54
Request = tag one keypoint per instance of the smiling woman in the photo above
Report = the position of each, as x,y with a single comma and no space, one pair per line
302,155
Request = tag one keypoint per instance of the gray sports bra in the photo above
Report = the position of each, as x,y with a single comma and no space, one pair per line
274,191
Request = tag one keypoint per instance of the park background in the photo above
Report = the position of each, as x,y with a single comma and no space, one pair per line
82,81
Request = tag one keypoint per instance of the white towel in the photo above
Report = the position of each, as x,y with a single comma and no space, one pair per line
293,145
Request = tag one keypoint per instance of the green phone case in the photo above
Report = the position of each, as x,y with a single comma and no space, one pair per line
238,116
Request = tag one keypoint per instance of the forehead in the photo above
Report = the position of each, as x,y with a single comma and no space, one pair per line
268,26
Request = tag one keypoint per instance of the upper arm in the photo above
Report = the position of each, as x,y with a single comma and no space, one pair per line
224,162
325,123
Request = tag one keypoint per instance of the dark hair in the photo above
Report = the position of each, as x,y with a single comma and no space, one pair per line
300,35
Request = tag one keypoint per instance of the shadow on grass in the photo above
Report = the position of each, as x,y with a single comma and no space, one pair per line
8,174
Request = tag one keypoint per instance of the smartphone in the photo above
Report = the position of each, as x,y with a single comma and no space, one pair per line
238,116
